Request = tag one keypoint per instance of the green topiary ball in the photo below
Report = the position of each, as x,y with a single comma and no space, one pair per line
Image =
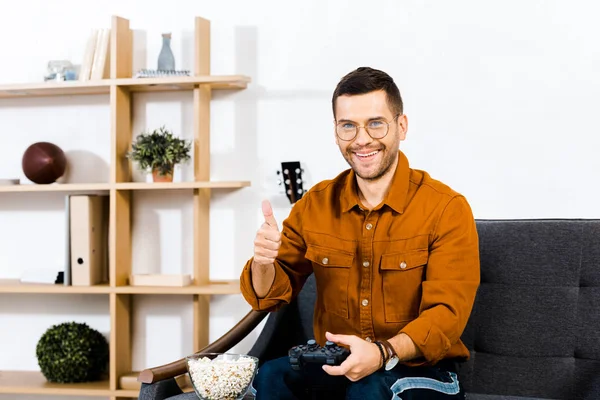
72,352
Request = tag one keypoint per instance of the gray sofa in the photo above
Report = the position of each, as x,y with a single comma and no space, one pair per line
535,328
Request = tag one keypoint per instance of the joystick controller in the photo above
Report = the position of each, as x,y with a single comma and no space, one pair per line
311,352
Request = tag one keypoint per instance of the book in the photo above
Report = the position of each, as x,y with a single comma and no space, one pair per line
88,56
101,63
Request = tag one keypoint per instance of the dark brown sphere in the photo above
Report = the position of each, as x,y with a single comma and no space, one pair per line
44,162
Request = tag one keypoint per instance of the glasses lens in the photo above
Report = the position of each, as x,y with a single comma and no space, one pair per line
377,129
346,131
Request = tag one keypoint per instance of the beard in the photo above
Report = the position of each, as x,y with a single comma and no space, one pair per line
379,166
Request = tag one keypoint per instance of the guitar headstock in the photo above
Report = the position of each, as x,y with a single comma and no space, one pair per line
291,179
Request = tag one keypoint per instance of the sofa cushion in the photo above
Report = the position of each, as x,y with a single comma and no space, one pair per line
535,327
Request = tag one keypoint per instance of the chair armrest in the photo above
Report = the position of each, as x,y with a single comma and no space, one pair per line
224,343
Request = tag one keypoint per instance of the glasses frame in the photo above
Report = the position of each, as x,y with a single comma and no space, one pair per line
366,130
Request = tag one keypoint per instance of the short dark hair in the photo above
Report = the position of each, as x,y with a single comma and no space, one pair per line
365,80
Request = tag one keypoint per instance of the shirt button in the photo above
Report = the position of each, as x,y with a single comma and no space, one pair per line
369,226
325,260
402,265
365,302
366,264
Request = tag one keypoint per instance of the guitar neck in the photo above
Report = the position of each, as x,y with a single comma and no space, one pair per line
292,180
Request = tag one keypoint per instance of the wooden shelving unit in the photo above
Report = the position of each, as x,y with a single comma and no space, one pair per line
120,87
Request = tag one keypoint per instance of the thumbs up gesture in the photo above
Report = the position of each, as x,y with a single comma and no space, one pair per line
268,238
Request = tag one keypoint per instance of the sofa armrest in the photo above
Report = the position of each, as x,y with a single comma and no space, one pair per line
221,345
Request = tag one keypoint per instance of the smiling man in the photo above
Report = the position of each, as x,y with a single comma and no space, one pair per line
395,256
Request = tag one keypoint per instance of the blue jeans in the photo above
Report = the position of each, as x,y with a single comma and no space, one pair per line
278,381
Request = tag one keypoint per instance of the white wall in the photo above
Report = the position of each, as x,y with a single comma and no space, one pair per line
501,97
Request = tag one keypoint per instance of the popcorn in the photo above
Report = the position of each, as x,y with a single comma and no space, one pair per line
221,378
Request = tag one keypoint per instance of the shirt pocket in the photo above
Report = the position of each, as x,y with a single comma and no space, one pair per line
402,274
332,275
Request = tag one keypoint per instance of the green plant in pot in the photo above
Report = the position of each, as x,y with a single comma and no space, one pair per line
159,151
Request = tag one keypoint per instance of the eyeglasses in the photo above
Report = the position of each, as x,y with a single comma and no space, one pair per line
376,128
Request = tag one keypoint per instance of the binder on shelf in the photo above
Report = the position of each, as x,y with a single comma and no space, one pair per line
88,230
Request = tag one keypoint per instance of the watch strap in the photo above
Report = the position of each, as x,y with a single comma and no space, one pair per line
389,349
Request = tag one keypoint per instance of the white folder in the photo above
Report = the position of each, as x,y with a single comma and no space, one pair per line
89,239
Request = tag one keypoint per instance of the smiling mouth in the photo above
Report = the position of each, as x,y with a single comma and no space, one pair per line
367,156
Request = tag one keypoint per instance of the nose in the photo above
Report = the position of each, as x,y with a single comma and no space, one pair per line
362,137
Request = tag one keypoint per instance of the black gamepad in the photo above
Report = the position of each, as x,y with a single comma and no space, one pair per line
311,352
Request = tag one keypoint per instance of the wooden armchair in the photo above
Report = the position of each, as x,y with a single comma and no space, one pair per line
290,325
221,345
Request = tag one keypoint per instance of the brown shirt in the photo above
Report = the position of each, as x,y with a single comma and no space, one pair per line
410,265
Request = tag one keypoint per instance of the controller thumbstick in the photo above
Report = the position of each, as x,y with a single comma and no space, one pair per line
329,344
311,342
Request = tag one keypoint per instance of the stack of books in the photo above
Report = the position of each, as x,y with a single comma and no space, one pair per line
96,59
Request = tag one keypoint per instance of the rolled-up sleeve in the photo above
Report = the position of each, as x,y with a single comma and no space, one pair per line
451,283
279,293
291,267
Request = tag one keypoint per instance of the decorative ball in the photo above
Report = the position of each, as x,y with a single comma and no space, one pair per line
44,162
72,352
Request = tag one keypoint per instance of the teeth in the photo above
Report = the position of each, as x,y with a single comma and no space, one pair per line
368,154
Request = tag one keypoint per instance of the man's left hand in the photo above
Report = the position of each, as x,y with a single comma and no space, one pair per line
364,358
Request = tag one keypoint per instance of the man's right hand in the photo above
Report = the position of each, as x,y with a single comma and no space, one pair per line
266,248
268,238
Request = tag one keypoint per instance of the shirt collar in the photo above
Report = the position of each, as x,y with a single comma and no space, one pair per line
396,197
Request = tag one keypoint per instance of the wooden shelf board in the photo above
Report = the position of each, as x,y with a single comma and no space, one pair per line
102,86
127,393
128,381
15,286
33,382
217,287
184,83
103,187
181,185
57,187
129,384
37,89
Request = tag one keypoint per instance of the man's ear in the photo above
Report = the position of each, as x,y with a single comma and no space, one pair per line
335,136
402,126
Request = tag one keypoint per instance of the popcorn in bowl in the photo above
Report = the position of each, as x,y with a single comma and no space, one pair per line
221,376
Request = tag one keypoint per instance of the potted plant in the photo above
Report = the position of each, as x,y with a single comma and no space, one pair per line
158,152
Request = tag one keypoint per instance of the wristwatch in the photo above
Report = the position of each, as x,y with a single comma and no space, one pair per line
392,356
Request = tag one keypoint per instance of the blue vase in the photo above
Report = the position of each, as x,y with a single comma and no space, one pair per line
166,61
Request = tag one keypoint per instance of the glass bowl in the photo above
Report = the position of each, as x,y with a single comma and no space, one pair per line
221,376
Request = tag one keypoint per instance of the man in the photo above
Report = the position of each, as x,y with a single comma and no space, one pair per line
395,257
